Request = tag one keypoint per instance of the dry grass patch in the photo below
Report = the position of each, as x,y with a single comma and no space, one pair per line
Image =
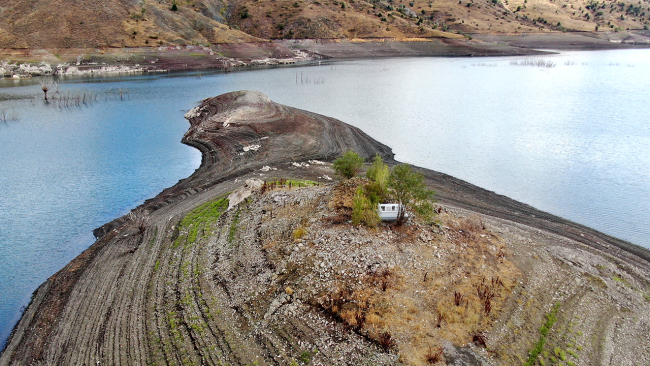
407,288
343,194
453,291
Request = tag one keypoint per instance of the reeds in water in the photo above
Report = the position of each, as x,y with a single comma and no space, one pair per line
84,97
7,117
305,79
74,99
531,62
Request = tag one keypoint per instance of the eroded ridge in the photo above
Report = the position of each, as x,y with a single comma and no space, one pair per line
246,129
97,304
284,278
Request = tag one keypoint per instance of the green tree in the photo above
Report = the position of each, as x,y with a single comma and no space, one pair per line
348,165
408,188
378,173
363,210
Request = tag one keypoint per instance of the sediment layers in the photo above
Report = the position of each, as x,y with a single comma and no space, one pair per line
103,305
183,281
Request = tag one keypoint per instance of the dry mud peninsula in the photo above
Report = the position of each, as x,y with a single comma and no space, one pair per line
222,269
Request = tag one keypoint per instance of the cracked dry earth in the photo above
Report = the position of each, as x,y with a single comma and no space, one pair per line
283,278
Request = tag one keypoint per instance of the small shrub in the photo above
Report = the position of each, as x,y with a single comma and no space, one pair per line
434,355
363,210
385,340
572,353
174,7
232,232
440,318
458,298
480,339
375,193
360,318
384,277
348,165
378,173
305,357
299,233
337,219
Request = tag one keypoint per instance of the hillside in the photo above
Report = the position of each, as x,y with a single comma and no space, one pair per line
224,269
55,24
424,18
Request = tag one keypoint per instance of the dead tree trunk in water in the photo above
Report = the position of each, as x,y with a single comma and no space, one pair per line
45,88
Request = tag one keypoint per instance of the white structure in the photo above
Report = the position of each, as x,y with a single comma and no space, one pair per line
389,211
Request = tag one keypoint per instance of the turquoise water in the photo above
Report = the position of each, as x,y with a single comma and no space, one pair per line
573,140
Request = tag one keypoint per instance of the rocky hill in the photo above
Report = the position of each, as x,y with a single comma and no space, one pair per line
253,261
426,18
55,24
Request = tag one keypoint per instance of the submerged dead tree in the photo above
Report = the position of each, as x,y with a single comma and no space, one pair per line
44,87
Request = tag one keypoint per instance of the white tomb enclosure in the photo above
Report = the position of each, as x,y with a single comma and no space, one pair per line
389,211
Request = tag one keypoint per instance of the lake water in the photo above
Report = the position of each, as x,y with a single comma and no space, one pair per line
573,140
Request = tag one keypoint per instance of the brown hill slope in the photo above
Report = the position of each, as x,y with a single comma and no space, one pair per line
427,18
112,23
127,23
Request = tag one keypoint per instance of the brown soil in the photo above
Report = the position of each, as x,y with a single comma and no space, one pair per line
285,278
113,23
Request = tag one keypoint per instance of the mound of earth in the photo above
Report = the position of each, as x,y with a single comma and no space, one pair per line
283,278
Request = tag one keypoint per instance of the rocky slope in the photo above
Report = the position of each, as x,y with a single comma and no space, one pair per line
56,24
59,26
424,18
283,278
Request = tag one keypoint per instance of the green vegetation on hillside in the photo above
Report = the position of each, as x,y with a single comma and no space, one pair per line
199,220
400,185
348,165
543,334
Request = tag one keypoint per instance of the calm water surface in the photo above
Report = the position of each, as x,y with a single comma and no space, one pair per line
573,140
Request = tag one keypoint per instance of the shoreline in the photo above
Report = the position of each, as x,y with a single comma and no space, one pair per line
223,164
24,63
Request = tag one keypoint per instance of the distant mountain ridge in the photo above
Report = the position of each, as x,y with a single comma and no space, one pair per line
52,24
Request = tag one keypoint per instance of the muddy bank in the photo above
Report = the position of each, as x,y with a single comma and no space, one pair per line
576,41
432,47
25,63
88,62
181,280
